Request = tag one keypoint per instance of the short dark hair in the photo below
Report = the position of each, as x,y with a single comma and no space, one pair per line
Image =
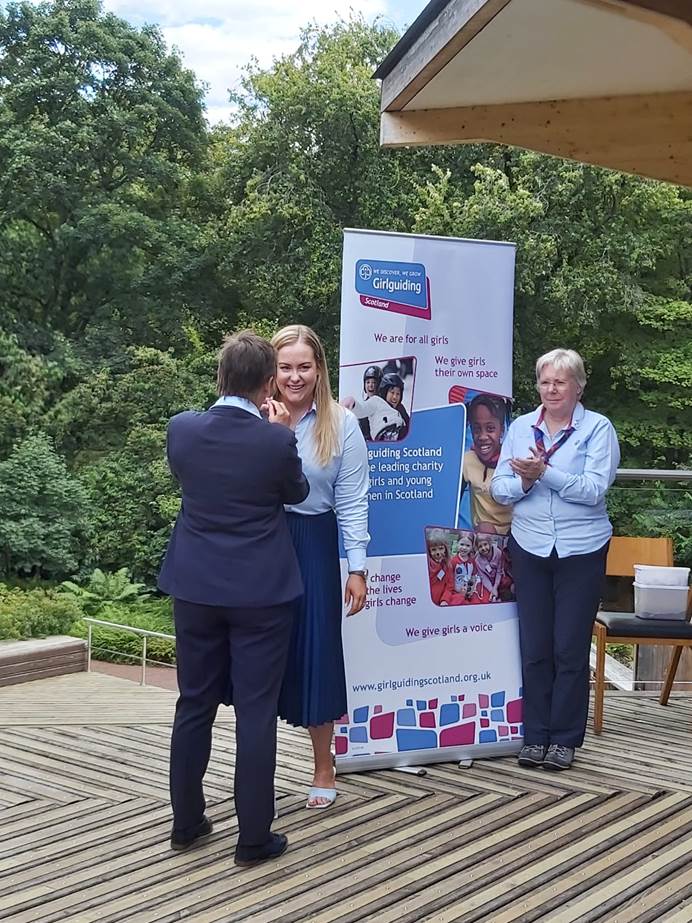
246,362
496,406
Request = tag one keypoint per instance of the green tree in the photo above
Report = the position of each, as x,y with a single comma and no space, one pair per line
603,267
146,388
28,385
43,513
133,502
101,131
302,161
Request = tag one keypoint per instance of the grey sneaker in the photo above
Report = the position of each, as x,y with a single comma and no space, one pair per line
531,755
558,757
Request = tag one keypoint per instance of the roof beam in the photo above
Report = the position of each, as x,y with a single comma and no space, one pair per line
672,17
677,9
458,23
650,135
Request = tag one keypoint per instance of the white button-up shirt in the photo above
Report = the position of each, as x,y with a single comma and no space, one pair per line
566,508
342,485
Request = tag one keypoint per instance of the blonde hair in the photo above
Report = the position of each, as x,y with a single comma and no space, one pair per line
563,360
328,411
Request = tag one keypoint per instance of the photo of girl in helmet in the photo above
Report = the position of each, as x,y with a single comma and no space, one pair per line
372,377
385,405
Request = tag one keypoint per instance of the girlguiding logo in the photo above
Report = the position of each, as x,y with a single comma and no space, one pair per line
403,288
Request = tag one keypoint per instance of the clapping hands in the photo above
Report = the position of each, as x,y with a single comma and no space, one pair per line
529,469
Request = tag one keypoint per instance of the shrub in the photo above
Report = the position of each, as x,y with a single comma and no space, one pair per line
36,613
640,508
102,588
43,519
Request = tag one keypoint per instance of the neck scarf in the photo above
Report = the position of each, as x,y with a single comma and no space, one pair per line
539,438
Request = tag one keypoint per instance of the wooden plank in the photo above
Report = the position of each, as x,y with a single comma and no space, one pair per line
18,668
663,895
458,23
39,658
626,551
21,651
539,882
523,850
645,135
490,843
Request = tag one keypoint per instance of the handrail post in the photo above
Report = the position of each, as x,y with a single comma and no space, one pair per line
143,681
89,649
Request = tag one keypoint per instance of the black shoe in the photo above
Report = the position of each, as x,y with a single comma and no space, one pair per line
247,856
558,757
204,830
531,755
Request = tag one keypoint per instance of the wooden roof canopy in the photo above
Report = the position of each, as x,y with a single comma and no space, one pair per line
606,82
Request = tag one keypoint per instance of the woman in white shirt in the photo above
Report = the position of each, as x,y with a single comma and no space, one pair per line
335,462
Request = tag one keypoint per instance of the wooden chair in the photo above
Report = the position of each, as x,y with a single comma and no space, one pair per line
625,627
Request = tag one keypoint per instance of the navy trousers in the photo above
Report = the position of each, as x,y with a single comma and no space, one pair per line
557,600
214,647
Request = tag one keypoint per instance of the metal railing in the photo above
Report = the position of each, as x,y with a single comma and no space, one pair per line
623,474
144,633
653,474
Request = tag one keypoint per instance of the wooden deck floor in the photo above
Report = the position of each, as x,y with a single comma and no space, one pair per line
84,825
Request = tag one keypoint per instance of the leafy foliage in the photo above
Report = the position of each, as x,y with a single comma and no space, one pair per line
36,613
43,518
119,646
663,510
101,128
601,267
102,588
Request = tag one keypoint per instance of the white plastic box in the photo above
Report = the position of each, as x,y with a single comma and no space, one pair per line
660,602
650,575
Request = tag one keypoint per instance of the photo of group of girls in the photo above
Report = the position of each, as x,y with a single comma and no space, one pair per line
467,568
385,397
487,419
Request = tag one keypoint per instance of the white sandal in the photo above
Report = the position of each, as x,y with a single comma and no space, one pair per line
329,794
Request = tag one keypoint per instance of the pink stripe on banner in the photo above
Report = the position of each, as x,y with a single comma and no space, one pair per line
396,307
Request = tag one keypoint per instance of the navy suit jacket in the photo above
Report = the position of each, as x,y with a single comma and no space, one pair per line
231,545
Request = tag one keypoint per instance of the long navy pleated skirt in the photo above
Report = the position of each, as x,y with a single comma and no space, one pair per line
314,687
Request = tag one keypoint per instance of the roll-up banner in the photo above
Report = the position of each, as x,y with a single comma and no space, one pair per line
432,664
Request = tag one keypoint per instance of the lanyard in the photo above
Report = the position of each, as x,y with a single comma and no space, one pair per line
547,454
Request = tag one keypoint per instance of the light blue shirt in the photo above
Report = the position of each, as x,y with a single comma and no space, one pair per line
342,485
566,508
232,400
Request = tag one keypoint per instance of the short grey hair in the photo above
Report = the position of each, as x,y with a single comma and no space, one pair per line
563,360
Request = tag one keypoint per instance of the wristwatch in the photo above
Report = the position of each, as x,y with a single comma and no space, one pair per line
359,573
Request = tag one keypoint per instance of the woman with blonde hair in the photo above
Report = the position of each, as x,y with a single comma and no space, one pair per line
335,462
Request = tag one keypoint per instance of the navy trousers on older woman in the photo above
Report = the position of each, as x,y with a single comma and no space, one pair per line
557,601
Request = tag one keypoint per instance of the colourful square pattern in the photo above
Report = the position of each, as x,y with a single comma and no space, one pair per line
417,724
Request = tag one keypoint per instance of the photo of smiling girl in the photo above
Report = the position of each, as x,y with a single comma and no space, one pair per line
466,568
489,566
462,576
437,543
487,416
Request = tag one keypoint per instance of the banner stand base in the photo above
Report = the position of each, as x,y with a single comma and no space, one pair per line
411,759
414,770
